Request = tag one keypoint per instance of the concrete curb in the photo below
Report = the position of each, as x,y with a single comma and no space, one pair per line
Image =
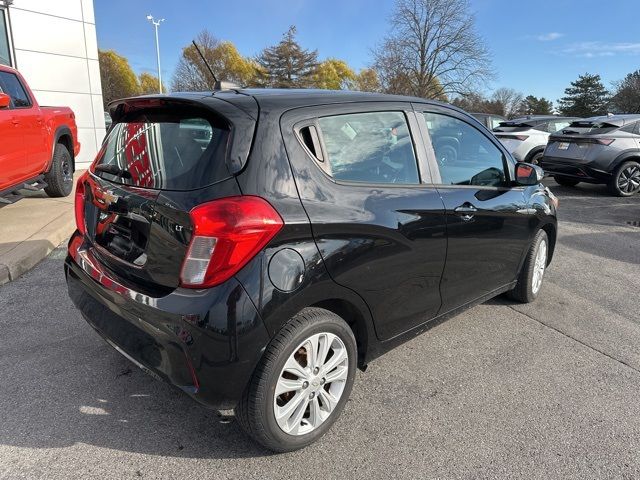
27,254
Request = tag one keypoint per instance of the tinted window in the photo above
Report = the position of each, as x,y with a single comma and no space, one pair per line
12,87
165,152
465,156
5,58
371,147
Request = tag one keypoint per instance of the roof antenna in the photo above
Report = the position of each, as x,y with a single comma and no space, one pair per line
218,85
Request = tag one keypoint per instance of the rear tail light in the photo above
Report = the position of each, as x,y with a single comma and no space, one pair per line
605,141
79,204
227,234
522,138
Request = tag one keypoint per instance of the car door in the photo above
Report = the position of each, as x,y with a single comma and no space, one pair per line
377,221
28,121
488,222
11,157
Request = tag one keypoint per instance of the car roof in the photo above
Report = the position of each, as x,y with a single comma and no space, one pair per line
617,120
293,98
536,119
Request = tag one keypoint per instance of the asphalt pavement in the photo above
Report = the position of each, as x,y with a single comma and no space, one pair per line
546,390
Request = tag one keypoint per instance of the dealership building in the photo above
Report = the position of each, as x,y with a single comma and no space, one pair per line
54,45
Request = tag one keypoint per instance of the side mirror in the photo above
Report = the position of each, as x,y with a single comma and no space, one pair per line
528,174
5,100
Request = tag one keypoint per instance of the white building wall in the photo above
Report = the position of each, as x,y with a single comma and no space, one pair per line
56,50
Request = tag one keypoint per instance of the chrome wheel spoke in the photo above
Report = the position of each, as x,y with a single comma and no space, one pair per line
339,356
287,385
339,373
329,402
293,367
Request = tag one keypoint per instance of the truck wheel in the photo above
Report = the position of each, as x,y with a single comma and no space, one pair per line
59,178
533,270
302,382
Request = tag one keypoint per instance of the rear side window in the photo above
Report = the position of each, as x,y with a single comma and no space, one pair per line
12,87
373,147
164,151
465,156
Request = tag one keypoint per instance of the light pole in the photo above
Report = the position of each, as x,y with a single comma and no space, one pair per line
156,24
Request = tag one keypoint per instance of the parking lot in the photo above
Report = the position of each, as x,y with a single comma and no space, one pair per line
546,390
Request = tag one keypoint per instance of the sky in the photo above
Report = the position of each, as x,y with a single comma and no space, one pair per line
537,47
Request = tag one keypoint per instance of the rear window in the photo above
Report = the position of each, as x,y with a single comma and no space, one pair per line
165,151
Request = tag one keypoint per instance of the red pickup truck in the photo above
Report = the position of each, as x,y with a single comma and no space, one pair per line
38,145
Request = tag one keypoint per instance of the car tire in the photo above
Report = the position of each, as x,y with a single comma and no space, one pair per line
566,181
535,158
532,274
59,178
625,180
256,412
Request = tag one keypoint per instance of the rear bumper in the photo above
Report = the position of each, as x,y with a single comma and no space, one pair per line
584,172
205,342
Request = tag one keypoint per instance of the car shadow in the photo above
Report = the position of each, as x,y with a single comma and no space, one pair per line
111,404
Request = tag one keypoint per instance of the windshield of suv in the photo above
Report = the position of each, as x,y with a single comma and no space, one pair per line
163,151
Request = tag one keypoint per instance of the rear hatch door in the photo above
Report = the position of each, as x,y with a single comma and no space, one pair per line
157,163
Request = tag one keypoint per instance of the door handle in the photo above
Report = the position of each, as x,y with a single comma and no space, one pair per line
466,211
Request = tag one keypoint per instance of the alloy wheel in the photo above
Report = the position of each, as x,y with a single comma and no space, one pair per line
539,267
311,384
67,174
629,179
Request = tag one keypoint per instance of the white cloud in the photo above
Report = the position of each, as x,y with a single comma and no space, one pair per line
601,49
549,37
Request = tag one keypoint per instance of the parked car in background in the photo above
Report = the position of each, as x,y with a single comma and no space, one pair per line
38,145
527,137
489,120
597,150
256,266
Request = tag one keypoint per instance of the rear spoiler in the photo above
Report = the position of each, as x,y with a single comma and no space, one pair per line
237,118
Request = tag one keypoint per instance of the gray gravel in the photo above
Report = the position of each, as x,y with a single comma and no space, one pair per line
548,390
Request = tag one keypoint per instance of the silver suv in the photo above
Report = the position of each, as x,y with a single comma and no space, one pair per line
526,137
597,150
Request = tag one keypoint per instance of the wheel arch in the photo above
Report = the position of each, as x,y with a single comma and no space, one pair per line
354,318
552,234
633,155
63,136
533,152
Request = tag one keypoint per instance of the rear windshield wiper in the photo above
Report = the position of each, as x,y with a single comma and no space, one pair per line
113,170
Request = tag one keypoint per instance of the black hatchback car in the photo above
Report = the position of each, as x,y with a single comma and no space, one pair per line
255,247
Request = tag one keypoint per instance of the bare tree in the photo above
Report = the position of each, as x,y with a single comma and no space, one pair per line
508,100
433,50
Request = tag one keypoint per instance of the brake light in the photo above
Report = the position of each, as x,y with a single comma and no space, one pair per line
522,138
605,141
227,234
79,204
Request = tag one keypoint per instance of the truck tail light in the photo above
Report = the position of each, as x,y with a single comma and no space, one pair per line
79,204
227,234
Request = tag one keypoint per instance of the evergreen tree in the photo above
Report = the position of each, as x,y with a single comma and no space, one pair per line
287,64
586,97
626,98
532,105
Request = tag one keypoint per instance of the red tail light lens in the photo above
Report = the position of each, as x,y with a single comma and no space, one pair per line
227,233
522,138
79,203
605,141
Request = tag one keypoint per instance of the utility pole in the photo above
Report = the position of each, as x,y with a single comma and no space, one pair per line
156,24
